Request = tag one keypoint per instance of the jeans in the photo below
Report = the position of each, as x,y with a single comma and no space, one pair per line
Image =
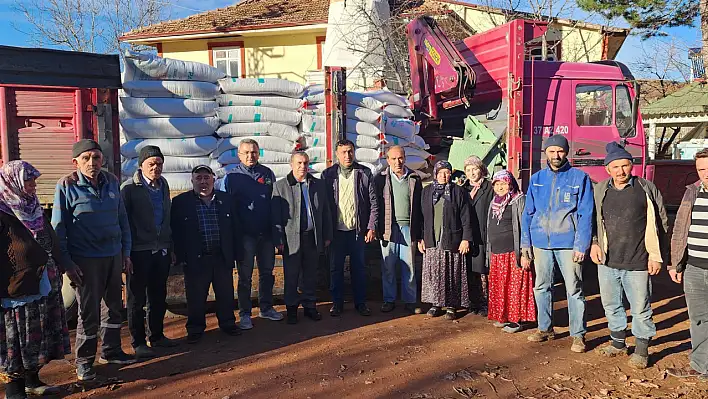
399,251
695,286
348,243
263,251
636,286
543,289
147,285
211,271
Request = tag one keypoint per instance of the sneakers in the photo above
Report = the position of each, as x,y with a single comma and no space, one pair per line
499,324
638,361
245,323
271,314
163,342
193,338
435,311
578,345
85,372
611,351
513,328
450,315
388,307
412,308
541,336
143,352
117,358
686,372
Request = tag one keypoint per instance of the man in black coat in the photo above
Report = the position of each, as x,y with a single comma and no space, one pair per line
206,236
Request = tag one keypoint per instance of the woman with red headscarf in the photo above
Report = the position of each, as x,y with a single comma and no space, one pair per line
511,301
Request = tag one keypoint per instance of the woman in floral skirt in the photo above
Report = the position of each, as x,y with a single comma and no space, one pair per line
511,301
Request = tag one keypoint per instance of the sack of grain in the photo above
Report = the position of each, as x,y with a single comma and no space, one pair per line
160,128
395,111
367,129
363,114
404,128
171,89
150,67
286,132
314,109
362,141
367,155
237,114
279,102
268,143
167,107
311,124
179,181
317,154
314,140
279,87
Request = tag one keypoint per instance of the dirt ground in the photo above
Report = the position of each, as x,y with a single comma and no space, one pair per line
398,356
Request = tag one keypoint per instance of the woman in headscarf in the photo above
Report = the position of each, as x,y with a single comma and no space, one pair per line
480,195
511,301
446,240
33,327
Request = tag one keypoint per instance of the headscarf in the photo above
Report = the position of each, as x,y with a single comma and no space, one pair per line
15,201
499,203
476,162
441,190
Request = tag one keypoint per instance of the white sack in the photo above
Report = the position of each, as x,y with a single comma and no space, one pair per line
387,97
257,114
318,167
417,142
268,143
404,128
364,141
286,103
314,140
317,154
363,114
128,167
186,147
129,150
395,111
367,155
171,165
318,98
171,89
179,181
259,129
275,86
231,157
363,100
363,128
167,107
150,67
160,128
311,123
417,153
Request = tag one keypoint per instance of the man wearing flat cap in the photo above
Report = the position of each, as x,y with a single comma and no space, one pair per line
207,240
627,257
556,227
147,201
94,235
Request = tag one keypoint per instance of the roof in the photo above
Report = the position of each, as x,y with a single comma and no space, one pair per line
692,100
652,90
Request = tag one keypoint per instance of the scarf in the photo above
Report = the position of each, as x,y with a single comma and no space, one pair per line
441,190
475,188
13,199
499,204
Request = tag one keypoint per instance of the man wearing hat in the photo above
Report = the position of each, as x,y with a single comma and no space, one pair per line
626,257
206,236
94,234
556,227
147,201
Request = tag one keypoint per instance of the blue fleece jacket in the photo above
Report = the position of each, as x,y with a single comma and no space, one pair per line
90,222
252,188
559,210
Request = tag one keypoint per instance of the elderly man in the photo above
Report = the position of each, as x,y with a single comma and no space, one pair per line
147,201
251,184
400,227
689,264
302,229
94,235
206,235
626,258
352,201
556,227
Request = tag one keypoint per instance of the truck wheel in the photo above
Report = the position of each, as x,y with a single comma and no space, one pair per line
70,304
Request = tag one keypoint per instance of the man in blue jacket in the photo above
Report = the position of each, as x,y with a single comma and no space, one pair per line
252,185
556,227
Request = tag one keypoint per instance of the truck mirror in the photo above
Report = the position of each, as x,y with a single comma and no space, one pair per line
635,106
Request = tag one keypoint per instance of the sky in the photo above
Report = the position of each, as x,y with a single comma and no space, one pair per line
634,49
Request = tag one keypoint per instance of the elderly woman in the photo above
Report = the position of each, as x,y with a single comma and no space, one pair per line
511,301
446,240
480,195
33,327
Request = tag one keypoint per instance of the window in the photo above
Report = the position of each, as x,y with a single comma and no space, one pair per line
593,105
623,112
228,60
534,52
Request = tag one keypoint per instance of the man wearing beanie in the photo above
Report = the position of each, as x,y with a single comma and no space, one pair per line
556,227
626,258
147,201
94,234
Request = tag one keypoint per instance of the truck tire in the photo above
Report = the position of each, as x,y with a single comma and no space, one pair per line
70,304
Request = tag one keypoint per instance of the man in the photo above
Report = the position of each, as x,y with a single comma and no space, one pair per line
302,229
557,224
689,264
626,257
94,235
400,223
252,185
206,235
352,201
147,202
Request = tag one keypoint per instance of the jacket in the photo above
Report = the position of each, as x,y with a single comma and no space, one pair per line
365,202
517,211
657,220
187,237
679,237
90,222
252,188
386,217
138,206
559,210
285,207
456,219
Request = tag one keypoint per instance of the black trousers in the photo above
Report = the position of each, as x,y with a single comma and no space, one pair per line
304,262
147,286
209,271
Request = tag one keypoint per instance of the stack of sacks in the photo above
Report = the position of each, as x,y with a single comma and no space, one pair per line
265,110
379,119
313,128
170,104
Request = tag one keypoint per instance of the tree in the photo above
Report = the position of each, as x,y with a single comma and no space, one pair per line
673,65
87,25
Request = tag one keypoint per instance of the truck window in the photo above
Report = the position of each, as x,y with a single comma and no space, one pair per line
593,105
623,111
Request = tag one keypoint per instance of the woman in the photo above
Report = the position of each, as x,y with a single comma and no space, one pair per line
511,301
480,197
33,327
446,240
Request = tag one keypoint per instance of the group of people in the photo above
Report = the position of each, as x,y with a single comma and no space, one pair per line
487,249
